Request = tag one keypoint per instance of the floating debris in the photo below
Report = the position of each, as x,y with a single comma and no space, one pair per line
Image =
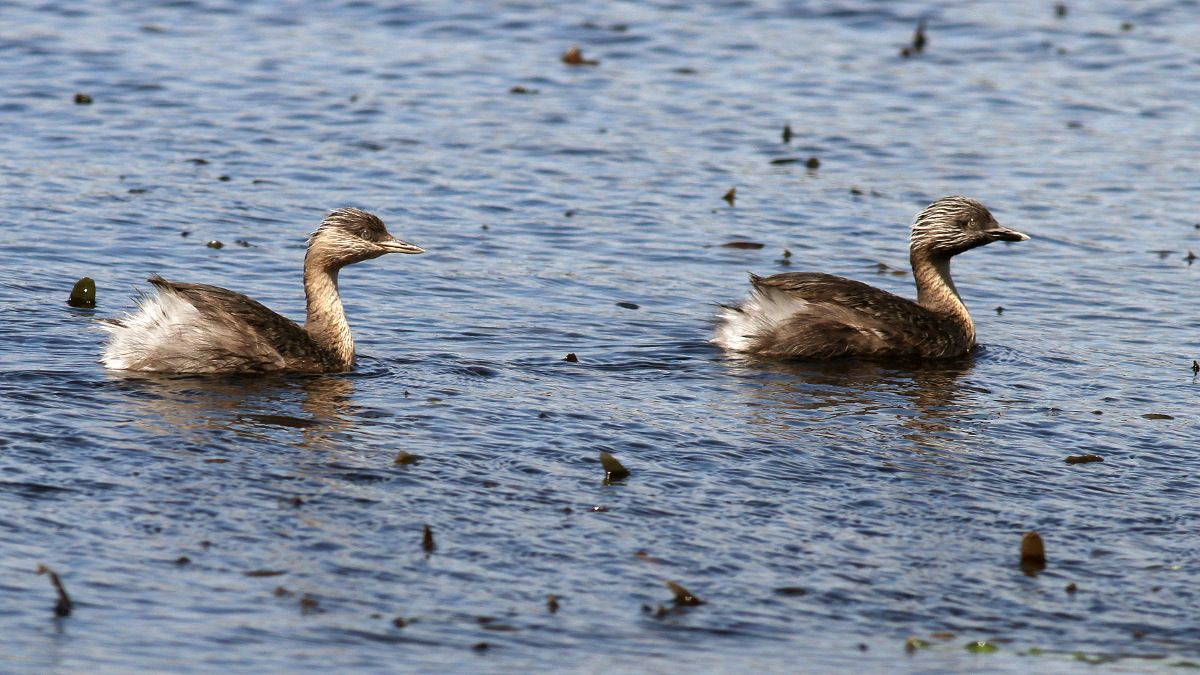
918,42
184,233
786,259
1195,367
216,460
281,592
787,133
1060,9
571,358
1190,257
627,305
730,195
856,191
1072,588
399,622
1157,416
812,163
224,179
264,573
1083,459
999,310
481,646
600,508
785,160
613,469
405,458
83,294
1127,25
647,558
791,591
1074,124
552,603
309,605
982,647
215,244
912,644
427,542
83,99
752,245
183,560
1033,553
683,596
198,161
63,607
243,243
574,57
522,90
943,635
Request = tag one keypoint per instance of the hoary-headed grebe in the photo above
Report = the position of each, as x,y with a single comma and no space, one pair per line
808,315
195,328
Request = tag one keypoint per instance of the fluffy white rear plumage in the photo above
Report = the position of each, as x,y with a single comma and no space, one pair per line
154,329
757,314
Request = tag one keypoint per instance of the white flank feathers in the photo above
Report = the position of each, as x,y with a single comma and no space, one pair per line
757,314
157,326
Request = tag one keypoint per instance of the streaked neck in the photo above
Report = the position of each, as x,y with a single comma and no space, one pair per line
936,292
326,321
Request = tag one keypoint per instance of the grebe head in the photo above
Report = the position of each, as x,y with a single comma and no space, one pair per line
347,236
955,224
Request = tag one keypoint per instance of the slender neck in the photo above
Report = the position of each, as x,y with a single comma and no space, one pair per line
326,319
936,291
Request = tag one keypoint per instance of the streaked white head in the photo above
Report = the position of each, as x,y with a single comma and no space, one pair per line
348,236
955,224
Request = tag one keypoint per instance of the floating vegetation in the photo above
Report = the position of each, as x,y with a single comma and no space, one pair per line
481,646
749,245
812,163
224,179
574,57
264,573
62,607
309,605
1033,553
427,543
1071,588
982,647
918,42
787,133
83,294
1083,459
791,591
613,469
647,558
627,305
683,596
912,644
999,310
1060,9
730,195
281,592
198,161
518,89
83,99
183,560
1195,367
571,358
215,244
552,603
405,458
1158,416
399,622
785,160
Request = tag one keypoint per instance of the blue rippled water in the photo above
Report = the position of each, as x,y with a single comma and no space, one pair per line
826,513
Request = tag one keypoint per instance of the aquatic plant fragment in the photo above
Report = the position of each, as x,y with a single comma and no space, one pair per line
683,596
63,607
427,542
730,195
574,57
613,469
1033,553
83,294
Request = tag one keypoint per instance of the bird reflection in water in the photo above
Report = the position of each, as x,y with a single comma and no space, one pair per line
927,398
270,409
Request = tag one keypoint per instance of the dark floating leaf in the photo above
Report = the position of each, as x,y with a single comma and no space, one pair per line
243,243
1157,416
730,195
552,603
215,244
753,245
63,606
183,560
427,542
857,191
683,596
647,558
399,622
786,254
82,99
999,310
281,592
571,358
613,469
264,573
812,163
1190,257
627,305
481,646
405,458
785,160
216,460
522,90
136,191
982,647
83,294
600,508
224,179
1060,9
1126,25
943,635
1195,367
787,133
912,644
1072,588
1033,553
574,57
309,605
1083,459
198,161
791,590
919,38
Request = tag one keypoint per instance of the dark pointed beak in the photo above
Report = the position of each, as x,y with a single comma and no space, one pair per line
394,245
1005,234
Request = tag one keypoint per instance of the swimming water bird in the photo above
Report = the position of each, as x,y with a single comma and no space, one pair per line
808,315
196,328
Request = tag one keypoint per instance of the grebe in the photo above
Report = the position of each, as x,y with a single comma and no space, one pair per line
196,328
808,315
